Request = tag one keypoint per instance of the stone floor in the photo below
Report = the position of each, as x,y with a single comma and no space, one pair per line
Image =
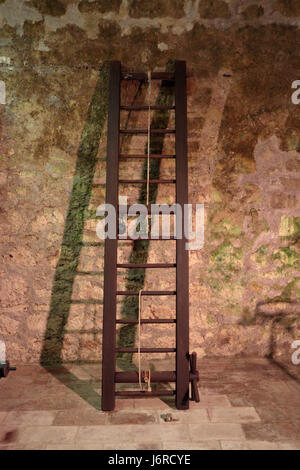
245,404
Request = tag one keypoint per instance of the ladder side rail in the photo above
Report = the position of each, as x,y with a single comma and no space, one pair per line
110,257
182,268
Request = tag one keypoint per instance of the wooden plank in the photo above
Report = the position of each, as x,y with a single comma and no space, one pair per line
156,376
162,376
171,237
149,292
110,257
140,394
127,75
146,108
130,321
145,181
146,265
182,269
163,209
146,350
145,131
143,155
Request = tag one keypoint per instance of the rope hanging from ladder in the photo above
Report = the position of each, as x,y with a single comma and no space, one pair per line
149,134
147,375
139,339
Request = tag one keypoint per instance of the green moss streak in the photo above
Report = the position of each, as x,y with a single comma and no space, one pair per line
74,225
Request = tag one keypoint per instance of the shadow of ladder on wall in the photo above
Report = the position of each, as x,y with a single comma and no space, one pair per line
186,370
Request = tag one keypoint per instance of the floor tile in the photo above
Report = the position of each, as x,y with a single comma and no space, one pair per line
132,417
249,445
271,431
204,445
30,418
233,415
164,432
80,417
47,434
216,431
109,434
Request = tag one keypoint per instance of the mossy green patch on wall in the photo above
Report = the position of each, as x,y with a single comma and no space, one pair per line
289,226
227,257
228,228
61,297
286,258
262,256
290,290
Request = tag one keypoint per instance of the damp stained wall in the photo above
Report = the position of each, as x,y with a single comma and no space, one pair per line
244,165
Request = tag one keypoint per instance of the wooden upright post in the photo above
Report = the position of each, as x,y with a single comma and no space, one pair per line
182,267
110,257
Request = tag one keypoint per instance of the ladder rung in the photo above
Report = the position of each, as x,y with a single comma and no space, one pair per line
148,265
145,320
89,273
171,237
92,243
145,350
145,181
148,292
145,108
140,394
163,209
144,76
143,155
145,131
158,376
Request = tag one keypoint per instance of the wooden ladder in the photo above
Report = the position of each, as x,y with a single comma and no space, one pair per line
186,370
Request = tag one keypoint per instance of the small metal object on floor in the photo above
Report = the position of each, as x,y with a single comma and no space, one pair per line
5,368
168,418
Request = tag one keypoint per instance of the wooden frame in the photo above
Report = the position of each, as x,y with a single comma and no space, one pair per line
183,375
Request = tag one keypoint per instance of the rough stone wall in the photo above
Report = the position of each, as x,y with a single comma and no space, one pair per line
244,165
